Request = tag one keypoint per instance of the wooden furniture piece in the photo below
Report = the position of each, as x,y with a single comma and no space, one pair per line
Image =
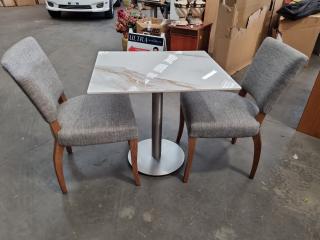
156,73
187,38
310,120
228,115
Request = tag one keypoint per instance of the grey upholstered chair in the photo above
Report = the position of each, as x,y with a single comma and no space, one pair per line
229,115
83,120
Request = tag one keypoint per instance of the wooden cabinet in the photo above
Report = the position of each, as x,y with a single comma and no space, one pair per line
310,120
187,38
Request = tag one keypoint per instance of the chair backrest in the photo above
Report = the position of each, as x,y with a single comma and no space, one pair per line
27,63
273,66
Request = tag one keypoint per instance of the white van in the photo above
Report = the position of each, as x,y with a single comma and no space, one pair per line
55,7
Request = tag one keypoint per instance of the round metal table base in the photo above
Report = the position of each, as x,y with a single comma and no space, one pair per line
172,158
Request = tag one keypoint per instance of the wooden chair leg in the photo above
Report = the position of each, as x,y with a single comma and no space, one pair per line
69,149
234,140
191,149
134,154
256,157
58,167
181,125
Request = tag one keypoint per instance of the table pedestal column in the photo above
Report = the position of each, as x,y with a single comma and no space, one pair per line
158,156
157,102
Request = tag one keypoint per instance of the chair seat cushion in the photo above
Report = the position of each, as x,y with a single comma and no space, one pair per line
218,114
96,119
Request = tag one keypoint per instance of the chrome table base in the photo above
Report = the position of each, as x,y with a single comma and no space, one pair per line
158,156
172,158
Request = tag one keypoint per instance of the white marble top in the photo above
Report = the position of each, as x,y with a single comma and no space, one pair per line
138,72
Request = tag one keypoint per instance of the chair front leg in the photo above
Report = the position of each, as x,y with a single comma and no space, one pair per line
181,125
134,155
191,149
58,166
257,153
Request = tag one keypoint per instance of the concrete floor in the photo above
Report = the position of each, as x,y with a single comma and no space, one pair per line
219,202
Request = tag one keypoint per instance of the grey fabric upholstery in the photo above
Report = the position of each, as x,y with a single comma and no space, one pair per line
96,119
30,67
219,115
84,120
223,114
274,65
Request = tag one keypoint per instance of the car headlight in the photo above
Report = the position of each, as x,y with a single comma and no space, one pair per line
50,4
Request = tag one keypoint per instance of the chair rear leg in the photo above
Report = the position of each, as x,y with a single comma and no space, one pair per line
134,154
58,166
233,140
191,148
181,125
257,153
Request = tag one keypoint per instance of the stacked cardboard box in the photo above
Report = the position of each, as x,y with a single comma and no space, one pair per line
25,2
244,17
239,32
245,9
8,3
301,34
272,18
13,3
154,26
210,17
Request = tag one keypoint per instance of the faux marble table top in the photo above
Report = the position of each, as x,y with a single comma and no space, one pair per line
139,72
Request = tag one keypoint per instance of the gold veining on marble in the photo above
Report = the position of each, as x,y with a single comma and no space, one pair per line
134,72
133,78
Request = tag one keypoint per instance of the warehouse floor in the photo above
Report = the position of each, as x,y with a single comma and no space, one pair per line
219,202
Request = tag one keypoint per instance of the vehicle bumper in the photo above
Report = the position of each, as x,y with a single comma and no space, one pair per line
57,6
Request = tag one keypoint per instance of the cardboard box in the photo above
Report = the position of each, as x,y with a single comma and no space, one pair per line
235,47
210,16
245,8
154,26
274,22
9,3
272,19
301,34
25,2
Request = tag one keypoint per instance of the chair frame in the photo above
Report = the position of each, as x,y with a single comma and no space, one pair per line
59,149
192,143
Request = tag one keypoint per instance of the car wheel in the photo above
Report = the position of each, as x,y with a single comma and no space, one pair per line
117,3
109,14
54,14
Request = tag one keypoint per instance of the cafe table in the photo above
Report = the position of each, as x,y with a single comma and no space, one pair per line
158,72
